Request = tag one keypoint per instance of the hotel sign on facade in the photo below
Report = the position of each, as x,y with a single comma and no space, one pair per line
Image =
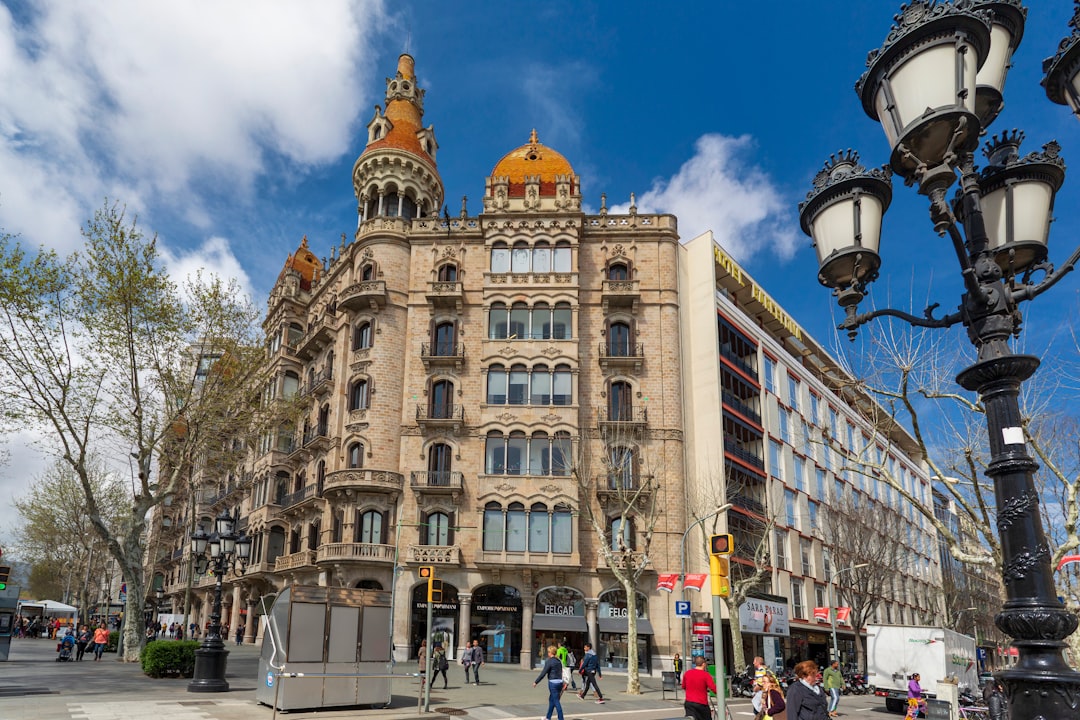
769,305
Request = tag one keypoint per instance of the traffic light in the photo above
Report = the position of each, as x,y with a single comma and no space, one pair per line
434,587
721,544
718,570
5,571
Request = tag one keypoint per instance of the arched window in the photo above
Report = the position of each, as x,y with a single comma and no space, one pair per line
442,400
516,530
390,204
562,322
495,453
562,538
621,468
561,454
440,464
519,321
356,455
618,271
444,339
562,258
448,273
539,454
408,207
541,257
541,386
322,429
619,339
296,334
358,395
620,402
494,528
290,385
338,526
438,529
496,385
498,322
516,448
621,533
500,258
539,528
517,392
362,336
281,487
371,527
294,541
367,272
520,259
313,536
562,386
541,321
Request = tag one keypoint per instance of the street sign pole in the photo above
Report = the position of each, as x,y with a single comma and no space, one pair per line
719,586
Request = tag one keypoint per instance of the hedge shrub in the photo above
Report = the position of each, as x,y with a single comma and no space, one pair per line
114,641
161,658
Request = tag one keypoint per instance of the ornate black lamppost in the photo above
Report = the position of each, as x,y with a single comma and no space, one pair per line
220,552
935,85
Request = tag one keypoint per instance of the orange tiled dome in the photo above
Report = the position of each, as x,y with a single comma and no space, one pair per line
530,160
404,115
305,263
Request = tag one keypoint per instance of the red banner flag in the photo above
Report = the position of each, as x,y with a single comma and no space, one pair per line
666,582
843,614
694,581
821,614
1068,559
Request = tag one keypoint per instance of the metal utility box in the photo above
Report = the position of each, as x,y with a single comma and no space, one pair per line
340,632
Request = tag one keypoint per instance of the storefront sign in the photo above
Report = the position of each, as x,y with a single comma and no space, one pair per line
702,629
496,608
562,601
764,617
437,606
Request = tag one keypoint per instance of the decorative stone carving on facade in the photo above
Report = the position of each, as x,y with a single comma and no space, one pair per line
664,434
358,415
508,351
551,419
551,489
434,554
551,351
505,487
506,417
357,427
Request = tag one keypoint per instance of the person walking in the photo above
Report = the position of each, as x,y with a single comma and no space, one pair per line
566,657
475,656
915,699
101,639
805,698
240,635
590,670
833,682
773,706
553,671
439,665
696,684
81,641
676,665
996,703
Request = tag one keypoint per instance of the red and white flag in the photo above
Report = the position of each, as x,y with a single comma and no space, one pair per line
694,581
666,582
1068,559
843,614
821,614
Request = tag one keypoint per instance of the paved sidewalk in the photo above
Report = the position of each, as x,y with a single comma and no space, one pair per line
33,686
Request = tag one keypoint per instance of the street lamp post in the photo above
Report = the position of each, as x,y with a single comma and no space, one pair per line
159,595
220,552
935,85
682,578
832,605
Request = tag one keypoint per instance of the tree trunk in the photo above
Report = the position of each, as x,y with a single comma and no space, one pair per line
633,680
738,661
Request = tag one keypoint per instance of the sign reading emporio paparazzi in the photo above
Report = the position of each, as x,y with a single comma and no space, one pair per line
764,617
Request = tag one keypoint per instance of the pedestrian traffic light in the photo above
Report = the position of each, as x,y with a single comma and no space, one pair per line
721,544
434,587
5,571
718,565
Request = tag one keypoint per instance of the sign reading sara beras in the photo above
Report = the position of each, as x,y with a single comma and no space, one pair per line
764,617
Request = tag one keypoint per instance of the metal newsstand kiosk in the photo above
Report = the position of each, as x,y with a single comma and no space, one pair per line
337,636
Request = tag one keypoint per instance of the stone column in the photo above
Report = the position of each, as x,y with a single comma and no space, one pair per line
528,601
590,620
234,616
252,619
464,619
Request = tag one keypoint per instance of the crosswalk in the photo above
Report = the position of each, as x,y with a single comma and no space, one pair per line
129,709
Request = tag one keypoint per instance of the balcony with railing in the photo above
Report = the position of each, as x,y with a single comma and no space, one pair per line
317,439
746,364
305,496
747,456
441,416
446,294
319,334
362,480
305,559
622,419
509,559
741,406
320,384
620,294
365,294
623,356
355,552
437,482
618,490
622,561
442,355
434,554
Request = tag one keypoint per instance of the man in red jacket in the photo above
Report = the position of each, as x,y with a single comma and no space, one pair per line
696,683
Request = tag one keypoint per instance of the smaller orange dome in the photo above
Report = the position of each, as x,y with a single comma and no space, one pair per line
531,160
305,263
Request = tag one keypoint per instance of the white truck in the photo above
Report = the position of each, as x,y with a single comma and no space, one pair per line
895,652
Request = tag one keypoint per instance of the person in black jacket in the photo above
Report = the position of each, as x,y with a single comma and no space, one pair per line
590,670
996,702
805,698
553,671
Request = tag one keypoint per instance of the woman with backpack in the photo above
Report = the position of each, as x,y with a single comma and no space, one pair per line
439,665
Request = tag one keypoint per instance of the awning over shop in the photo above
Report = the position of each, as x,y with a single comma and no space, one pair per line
619,625
565,623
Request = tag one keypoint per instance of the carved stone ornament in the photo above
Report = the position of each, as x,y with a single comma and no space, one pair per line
367,254
449,252
506,417
551,351
618,251
505,487
551,489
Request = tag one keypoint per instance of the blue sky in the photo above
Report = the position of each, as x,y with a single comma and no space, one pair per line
231,127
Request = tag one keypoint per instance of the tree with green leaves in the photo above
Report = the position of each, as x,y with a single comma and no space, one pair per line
115,362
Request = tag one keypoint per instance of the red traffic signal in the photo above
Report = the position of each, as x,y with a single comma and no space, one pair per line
427,572
721,544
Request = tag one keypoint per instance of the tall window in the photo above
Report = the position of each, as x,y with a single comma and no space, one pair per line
798,608
618,271
445,341
622,533
785,425
621,468
562,257
362,336
494,529
517,391
440,462
358,395
498,322
371,527
516,528
539,528
539,454
804,555
448,273
519,321
794,391
770,374
442,399
781,550
521,257
619,339
437,531
562,316
541,386
290,385
500,258
541,321
541,257
356,455
776,455
815,417
620,401
800,473
515,454
562,386
789,508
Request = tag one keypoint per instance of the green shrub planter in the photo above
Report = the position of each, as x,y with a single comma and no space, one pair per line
169,658
114,641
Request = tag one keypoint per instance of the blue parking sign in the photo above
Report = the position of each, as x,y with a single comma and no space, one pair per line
682,608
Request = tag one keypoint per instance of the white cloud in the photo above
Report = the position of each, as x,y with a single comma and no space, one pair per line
718,189
213,257
149,99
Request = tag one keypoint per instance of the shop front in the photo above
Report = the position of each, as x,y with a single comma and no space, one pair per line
766,630
612,620
495,621
559,616
444,619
